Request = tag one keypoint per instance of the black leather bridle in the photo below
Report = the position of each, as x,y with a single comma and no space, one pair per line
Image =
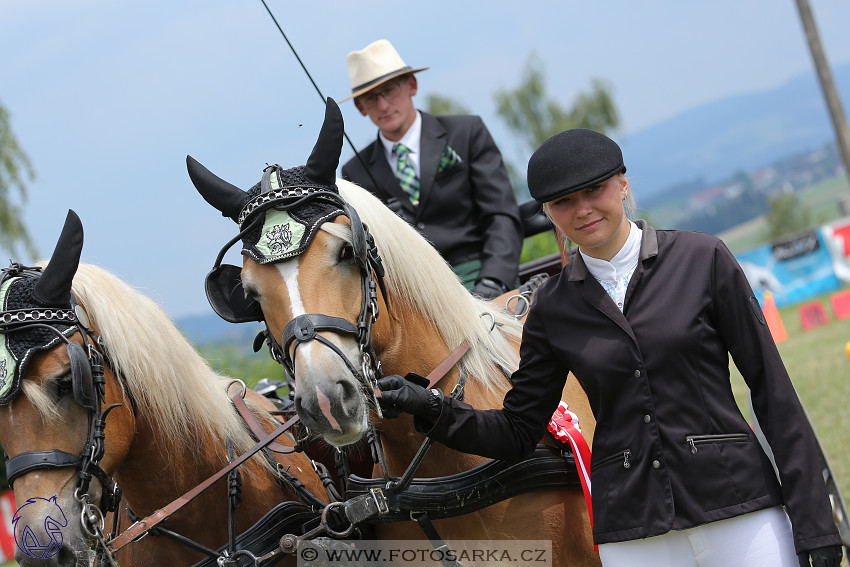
225,294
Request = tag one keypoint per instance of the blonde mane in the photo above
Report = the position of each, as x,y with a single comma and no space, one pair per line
417,277
173,386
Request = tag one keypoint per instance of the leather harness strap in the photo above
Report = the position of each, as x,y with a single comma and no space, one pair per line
447,364
254,425
143,526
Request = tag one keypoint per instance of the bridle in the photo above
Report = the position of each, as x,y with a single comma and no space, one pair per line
88,386
226,296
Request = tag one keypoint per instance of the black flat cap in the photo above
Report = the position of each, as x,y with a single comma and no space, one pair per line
570,161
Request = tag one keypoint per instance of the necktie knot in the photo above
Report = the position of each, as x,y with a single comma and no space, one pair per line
401,150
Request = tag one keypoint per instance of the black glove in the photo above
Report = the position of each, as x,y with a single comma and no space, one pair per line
822,557
487,288
399,394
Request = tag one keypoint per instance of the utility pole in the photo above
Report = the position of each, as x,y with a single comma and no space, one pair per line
833,103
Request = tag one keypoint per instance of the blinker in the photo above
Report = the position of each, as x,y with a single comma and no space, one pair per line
81,377
227,297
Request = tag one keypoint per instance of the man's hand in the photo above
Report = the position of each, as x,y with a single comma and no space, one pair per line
399,394
822,557
487,288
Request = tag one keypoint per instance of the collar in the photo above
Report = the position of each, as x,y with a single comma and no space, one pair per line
648,249
411,139
622,261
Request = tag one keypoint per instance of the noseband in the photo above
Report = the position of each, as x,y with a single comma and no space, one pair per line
88,386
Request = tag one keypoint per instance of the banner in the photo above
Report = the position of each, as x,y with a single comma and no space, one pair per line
7,533
837,237
793,269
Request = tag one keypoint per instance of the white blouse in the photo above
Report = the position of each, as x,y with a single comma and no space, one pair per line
614,276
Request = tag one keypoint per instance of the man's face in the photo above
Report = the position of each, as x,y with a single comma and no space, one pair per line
390,106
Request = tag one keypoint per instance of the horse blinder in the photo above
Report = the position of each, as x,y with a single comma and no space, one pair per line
227,297
82,381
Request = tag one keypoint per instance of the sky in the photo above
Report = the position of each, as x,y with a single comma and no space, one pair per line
108,98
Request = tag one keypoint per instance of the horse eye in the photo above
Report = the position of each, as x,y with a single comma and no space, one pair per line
346,253
63,387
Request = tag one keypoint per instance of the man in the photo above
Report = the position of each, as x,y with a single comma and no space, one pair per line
442,174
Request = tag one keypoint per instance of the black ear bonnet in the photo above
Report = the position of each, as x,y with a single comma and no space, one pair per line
42,327
279,217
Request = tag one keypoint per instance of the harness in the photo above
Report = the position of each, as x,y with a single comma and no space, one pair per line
387,499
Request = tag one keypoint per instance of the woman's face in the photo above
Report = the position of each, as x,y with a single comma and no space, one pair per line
594,218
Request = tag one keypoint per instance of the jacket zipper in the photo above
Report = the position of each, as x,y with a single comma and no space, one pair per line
694,440
624,455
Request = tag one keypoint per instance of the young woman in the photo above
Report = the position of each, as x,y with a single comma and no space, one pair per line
646,320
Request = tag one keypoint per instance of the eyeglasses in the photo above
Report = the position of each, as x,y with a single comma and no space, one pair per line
389,93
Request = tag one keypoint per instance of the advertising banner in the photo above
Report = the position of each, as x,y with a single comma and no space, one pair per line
793,269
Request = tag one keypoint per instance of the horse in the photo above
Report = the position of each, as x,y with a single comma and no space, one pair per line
158,422
319,302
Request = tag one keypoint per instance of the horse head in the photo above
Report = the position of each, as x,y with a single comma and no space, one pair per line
304,248
54,400
320,290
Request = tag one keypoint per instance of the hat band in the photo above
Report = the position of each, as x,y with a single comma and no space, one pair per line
381,79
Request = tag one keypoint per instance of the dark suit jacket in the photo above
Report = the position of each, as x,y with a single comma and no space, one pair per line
671,448
467,211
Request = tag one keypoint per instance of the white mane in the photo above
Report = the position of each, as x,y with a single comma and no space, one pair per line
418,276
172,384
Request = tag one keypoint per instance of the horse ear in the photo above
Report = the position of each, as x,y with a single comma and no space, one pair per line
322,164
54,286
227,198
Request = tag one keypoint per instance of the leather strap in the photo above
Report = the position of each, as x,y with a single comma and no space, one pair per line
143,526
33,460
254,425
447,364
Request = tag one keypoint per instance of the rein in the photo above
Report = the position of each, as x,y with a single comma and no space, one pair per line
144,525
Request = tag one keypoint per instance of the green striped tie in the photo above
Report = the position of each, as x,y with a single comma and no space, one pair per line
406,173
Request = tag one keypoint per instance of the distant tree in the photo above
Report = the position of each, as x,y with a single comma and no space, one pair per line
441,105
531,114
786,215
14,167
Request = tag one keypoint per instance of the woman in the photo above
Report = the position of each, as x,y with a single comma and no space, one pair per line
646,321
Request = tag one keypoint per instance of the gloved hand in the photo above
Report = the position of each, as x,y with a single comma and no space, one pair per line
399,394
487,288
822,557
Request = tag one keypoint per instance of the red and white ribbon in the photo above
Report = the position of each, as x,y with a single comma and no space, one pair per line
565,426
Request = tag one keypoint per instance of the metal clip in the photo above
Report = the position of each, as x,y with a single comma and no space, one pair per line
380,500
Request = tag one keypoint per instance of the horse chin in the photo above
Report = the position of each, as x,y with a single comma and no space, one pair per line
339,434
67,556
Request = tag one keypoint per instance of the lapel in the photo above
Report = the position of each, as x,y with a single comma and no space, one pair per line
595,295
432,142
385,177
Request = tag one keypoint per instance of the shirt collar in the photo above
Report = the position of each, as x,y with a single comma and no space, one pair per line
410,139
648,248
622,261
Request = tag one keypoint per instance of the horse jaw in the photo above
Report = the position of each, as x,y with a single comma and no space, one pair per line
44,521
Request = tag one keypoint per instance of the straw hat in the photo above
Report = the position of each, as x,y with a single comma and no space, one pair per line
374,65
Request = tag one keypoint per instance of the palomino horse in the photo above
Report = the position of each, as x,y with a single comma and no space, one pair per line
316,293
169,424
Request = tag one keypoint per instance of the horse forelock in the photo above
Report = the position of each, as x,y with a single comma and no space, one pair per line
172,384
418,278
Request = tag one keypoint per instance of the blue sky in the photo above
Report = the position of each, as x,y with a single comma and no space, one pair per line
107,98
